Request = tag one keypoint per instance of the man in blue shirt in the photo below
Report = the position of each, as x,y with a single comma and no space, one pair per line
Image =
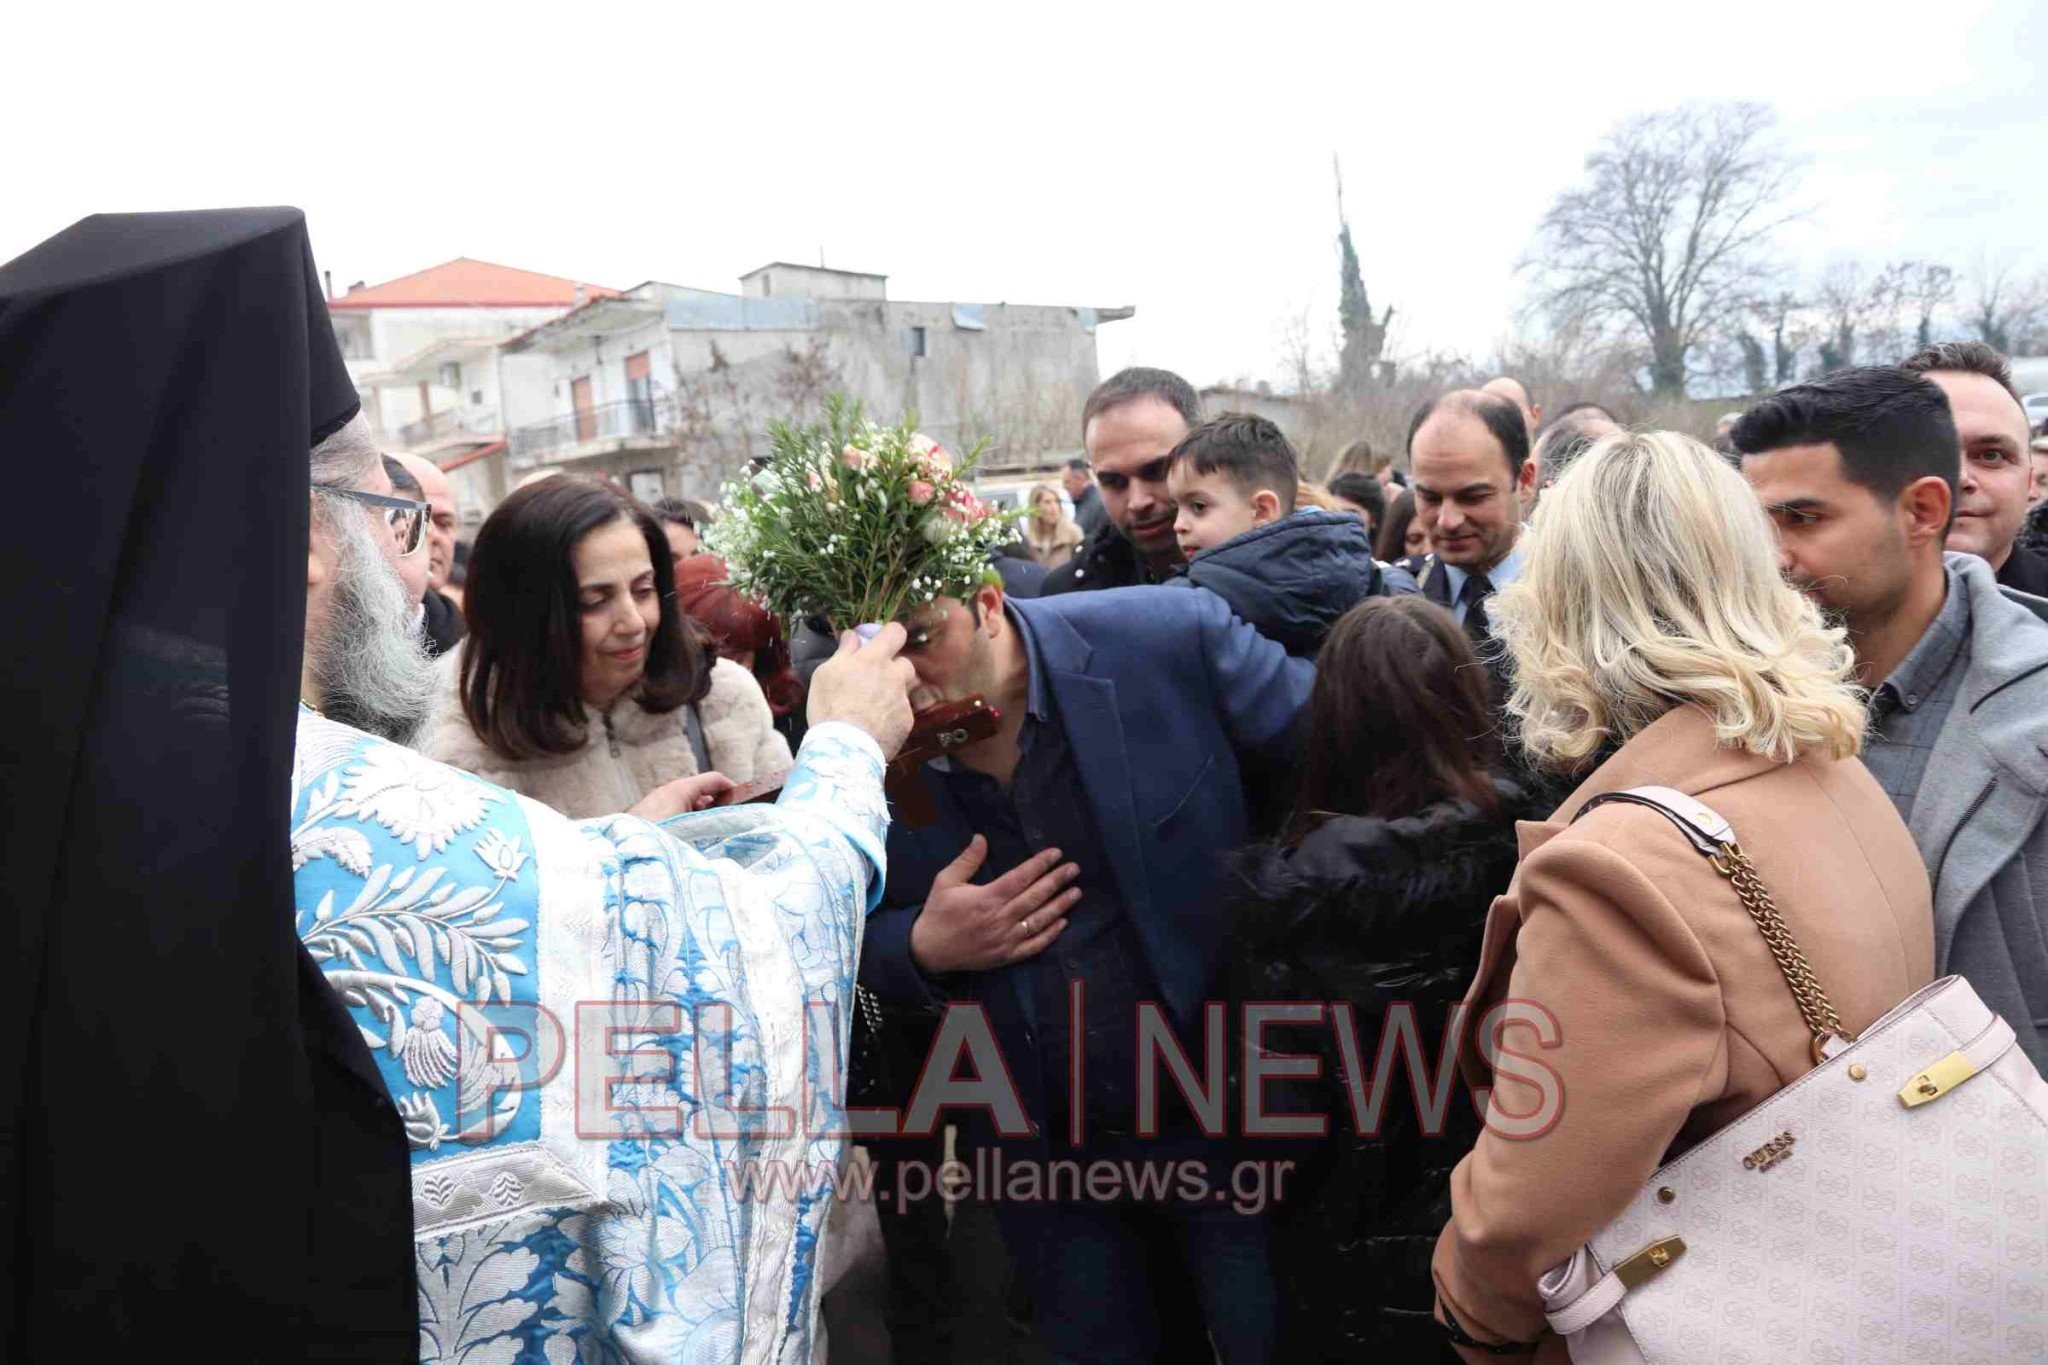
1469,454
1079,844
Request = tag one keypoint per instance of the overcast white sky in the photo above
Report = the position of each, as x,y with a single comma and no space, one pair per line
1175,158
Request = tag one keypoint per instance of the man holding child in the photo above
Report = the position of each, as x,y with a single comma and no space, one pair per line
1130,424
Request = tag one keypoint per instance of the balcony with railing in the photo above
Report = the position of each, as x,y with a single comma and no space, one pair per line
447,426
631,417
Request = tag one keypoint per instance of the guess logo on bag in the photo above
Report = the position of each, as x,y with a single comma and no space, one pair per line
1770,1154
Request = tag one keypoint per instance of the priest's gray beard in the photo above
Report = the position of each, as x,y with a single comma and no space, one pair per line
369,663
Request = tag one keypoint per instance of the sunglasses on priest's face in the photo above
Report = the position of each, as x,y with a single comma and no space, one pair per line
408,519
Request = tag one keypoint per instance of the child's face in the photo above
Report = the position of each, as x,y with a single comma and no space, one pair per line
1211,509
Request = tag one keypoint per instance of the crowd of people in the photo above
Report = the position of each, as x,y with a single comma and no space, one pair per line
1259,742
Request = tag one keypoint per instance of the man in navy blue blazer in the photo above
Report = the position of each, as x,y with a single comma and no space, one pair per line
1081,844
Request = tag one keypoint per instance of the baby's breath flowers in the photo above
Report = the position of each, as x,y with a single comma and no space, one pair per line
856,522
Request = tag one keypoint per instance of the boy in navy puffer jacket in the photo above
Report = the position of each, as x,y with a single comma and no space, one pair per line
1289,573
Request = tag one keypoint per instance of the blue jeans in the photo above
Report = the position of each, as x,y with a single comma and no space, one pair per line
1090,1270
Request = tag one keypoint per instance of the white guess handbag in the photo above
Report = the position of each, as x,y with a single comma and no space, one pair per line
1889,1205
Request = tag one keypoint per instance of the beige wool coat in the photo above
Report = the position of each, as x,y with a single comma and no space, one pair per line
1054,548
626,753
1672,1018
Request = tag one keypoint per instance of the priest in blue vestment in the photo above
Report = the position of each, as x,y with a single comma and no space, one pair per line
310,1049
604,1039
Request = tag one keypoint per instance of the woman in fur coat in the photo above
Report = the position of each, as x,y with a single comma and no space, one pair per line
581,684
1376,898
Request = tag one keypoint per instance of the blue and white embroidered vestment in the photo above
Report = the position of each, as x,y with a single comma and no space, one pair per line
499,958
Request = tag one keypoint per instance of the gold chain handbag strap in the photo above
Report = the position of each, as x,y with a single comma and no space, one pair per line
1710,835
1814,1007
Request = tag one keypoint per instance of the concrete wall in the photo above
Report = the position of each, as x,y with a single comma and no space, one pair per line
1282,411
482,397
692,352
479,486
810,282
1018,379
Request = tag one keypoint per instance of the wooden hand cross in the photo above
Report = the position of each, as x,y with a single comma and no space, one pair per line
939,730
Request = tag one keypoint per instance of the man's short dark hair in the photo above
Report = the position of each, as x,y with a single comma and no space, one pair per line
1138,382
402,481
1964,357
1891,425
1501,417
1247,450
1077,465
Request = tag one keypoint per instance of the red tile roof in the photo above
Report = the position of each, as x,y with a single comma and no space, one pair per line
464,283
475,453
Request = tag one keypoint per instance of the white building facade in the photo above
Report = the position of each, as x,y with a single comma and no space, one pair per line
672,390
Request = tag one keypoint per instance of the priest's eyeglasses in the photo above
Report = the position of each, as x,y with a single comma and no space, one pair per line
407,519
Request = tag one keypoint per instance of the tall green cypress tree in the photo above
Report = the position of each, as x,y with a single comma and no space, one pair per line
1364,338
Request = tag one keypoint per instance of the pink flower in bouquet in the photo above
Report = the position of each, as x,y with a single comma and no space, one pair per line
931,454
853,457
813,480
921,492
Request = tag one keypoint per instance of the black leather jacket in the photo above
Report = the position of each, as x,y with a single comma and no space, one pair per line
1372,912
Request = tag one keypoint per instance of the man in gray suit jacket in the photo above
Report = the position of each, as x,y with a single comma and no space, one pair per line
1858,471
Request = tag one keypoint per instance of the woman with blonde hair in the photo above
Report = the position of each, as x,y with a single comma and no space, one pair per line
1049,533
1650,623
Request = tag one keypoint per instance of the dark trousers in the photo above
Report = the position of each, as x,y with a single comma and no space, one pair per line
950,1295
1095,1269
924,1298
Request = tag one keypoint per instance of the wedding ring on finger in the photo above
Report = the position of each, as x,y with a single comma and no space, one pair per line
1025,925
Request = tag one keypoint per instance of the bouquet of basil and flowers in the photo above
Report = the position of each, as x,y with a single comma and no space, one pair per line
856,523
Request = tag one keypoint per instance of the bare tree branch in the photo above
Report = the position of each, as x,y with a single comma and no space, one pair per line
1667,240
2007,312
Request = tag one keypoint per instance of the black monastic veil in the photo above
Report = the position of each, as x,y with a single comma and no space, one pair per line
195,1150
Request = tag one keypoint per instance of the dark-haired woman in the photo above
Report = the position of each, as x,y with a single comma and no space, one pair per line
678,520
1376,895
1400,540
1360,494
581,684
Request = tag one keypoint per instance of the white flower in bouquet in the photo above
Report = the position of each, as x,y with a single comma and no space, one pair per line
931,453
857,522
